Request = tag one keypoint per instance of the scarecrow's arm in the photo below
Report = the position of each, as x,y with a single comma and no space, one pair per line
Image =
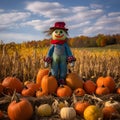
50,52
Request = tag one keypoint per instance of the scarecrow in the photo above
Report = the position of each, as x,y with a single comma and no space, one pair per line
59,54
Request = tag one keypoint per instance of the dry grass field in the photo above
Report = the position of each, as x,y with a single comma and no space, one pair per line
91,63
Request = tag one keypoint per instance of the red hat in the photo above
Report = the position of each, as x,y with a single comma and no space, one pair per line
59,25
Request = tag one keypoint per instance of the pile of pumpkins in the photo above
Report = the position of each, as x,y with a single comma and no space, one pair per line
46,84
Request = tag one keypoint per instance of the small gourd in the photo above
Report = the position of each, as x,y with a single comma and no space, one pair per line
79,92
44,110
67,113
92,112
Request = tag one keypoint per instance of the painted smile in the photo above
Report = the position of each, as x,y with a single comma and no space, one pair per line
58,36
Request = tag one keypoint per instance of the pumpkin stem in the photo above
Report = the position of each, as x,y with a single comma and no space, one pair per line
49,74
61,85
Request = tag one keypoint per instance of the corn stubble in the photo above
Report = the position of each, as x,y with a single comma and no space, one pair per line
89,64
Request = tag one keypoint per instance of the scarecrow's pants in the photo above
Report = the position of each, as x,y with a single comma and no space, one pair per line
59,66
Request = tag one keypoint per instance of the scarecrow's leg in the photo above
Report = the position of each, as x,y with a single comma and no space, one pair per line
55,66
63,68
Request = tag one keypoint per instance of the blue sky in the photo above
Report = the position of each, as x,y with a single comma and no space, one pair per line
25,20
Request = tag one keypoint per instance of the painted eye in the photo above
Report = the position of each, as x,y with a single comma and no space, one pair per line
56,31
61,32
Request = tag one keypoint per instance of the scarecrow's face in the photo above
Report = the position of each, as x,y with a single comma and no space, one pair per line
59,34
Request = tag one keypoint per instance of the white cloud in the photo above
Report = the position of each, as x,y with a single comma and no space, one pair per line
47,9
75,16
112,14
8,20
105,24
40,25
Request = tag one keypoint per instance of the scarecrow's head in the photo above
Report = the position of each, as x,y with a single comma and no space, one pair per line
58,32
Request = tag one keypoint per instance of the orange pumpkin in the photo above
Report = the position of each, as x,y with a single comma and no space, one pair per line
49,84
40,93
89,86
64,91
41,73
80,106
28,92
108,112
1,115
118,90
20,110
1,88
13,83
74,81
107,82
102,90
79,92
32,85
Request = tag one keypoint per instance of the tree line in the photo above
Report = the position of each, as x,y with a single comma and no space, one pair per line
99,40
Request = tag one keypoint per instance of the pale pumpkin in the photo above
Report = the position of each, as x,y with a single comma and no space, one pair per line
92,112
67,113
74,81
44,110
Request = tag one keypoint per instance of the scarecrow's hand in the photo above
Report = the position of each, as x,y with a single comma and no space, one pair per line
48,60
71,59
